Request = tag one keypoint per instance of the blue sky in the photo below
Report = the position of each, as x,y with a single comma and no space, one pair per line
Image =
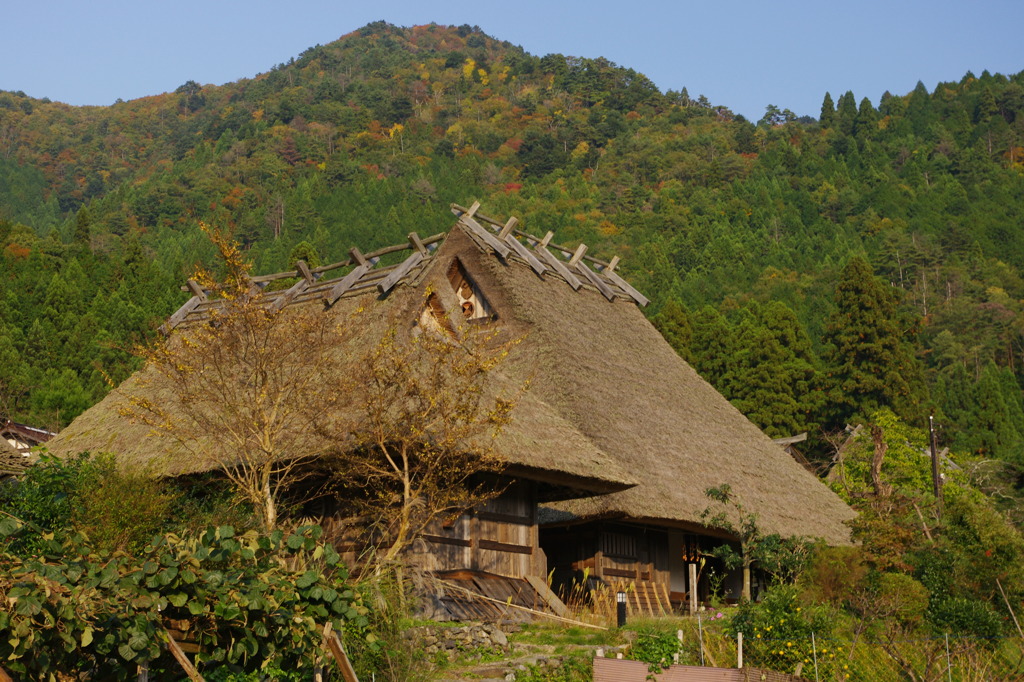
741,54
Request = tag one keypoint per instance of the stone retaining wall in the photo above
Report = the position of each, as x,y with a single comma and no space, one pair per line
463,639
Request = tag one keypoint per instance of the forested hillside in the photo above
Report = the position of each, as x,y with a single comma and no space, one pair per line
813,270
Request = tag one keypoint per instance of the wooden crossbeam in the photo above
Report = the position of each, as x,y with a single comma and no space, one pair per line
584,270
558,265
525,254
389,282
304,271
334,646
623,284
414,239
356,256
486,235
349,280
581,251
179,316
196,290
182,660
509,226
550,598
292,291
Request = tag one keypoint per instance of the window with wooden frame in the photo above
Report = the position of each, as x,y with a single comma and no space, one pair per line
472,302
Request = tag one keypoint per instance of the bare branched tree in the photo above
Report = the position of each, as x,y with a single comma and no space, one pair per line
250,390
276,398
423,446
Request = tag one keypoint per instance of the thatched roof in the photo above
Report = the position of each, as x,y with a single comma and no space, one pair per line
24,435
610,403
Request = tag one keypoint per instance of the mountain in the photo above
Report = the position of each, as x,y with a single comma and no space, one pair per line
740,232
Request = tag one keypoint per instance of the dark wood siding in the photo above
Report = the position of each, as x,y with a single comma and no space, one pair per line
499,537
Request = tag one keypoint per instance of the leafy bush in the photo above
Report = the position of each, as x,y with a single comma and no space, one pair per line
778,630
269,674
391,655
247,600
117,509
962,616
45,496
655,648
834,574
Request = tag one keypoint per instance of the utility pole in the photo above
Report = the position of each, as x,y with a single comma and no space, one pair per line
936,480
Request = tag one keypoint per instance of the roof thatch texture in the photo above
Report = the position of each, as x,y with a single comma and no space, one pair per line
524,444
610,373
610,403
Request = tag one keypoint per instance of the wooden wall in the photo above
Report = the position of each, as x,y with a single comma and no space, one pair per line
611,552
634,558
499,537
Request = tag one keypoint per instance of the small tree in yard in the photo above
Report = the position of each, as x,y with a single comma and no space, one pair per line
404,430
249,391
424,441
782,558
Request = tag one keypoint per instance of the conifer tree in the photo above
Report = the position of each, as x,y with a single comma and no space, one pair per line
772,377
711,346
83,222
846,113
867,118
990,424
828,111
869,359
674,324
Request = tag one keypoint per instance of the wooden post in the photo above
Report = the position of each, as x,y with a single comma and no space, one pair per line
936,478
578,255
739,650
143,672
4,677
195,289
693,589
182,659
700,638
1007,601
334,646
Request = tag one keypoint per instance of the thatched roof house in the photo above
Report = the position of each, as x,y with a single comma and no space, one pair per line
610,403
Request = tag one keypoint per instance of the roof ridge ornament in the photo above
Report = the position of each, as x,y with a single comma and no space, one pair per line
593,270
505,238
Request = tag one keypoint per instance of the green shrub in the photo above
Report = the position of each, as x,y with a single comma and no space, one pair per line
655,648
249,601
391,655
834,575
117,509
270,674
965,617
777,631
45,496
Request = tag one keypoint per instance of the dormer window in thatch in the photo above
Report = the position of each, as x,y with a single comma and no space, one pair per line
473,304
435,319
